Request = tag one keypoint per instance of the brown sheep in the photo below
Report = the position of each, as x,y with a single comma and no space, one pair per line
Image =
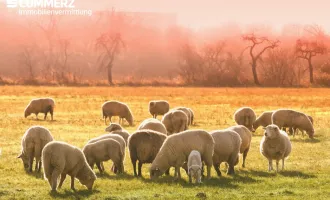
41,105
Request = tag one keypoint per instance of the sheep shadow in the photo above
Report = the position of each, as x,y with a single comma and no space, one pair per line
297,174
42,120
76,194
305,140
267,174
123,176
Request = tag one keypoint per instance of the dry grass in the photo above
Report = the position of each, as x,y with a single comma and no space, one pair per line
78,118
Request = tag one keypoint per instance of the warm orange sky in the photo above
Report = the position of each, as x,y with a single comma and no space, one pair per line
205,13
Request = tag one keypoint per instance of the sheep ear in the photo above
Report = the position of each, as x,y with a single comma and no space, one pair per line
20,156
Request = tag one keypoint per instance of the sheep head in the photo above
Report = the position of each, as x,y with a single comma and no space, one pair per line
155,172
272,131
113,127
25,159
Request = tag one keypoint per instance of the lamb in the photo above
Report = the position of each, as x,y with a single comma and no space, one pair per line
195,166
153,124
116,137
291,118
226,149
60,158
41,105
263,120
275,145
115,128
33,141
245,116
143,146
175,121
158,107
176,149
116,108
187,111
246,138
104,150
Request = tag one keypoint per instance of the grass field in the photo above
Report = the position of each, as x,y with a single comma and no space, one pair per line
78,118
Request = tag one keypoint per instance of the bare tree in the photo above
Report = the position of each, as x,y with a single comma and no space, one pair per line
308,48
29,61
110,45
255,56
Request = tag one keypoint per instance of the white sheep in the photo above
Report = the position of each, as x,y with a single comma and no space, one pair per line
245,116
33,141
158,107
116,108
291,118
275,145
41,105
246,138
226,149
60,159
175,121
195,166
153,124
176,149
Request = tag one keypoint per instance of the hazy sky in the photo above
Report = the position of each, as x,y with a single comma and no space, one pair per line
205,13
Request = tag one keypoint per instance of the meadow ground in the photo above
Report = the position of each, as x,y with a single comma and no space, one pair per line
78,118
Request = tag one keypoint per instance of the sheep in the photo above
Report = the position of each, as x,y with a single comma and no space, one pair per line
275,145
263,120
176,149
245,116
34,140
60,158
143,146
153,124
291,118
226,149
116,137
293,130
104,150
116,108
192,116
158,107
246,138
187,111
115,128
41,105
175,121
195,166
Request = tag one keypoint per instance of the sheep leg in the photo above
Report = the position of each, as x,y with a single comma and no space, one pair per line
270,165
45,117
277,161
40,164
177,173
72,183
55,175
244,156
139,168
99,167
282,164
30,163
134,167
190,179
110,118
102,166
216,167
63,176
51,111
105,120
167,172
37,116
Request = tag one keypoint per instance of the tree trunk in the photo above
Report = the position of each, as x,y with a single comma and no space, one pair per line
254,71
311,78
110,74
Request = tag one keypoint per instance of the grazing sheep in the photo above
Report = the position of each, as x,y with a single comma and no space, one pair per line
104,150
41,105
195,166
187,111
153,124
245,116
176,149
159,107
175,121
115,128
275,145
33,141
143,146
246,138
291,118
226,149
60,158
263,120
116,108
293,130
116,137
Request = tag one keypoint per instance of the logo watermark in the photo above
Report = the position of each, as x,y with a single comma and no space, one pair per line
47,7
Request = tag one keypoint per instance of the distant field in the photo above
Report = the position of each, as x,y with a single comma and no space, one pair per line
78,118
